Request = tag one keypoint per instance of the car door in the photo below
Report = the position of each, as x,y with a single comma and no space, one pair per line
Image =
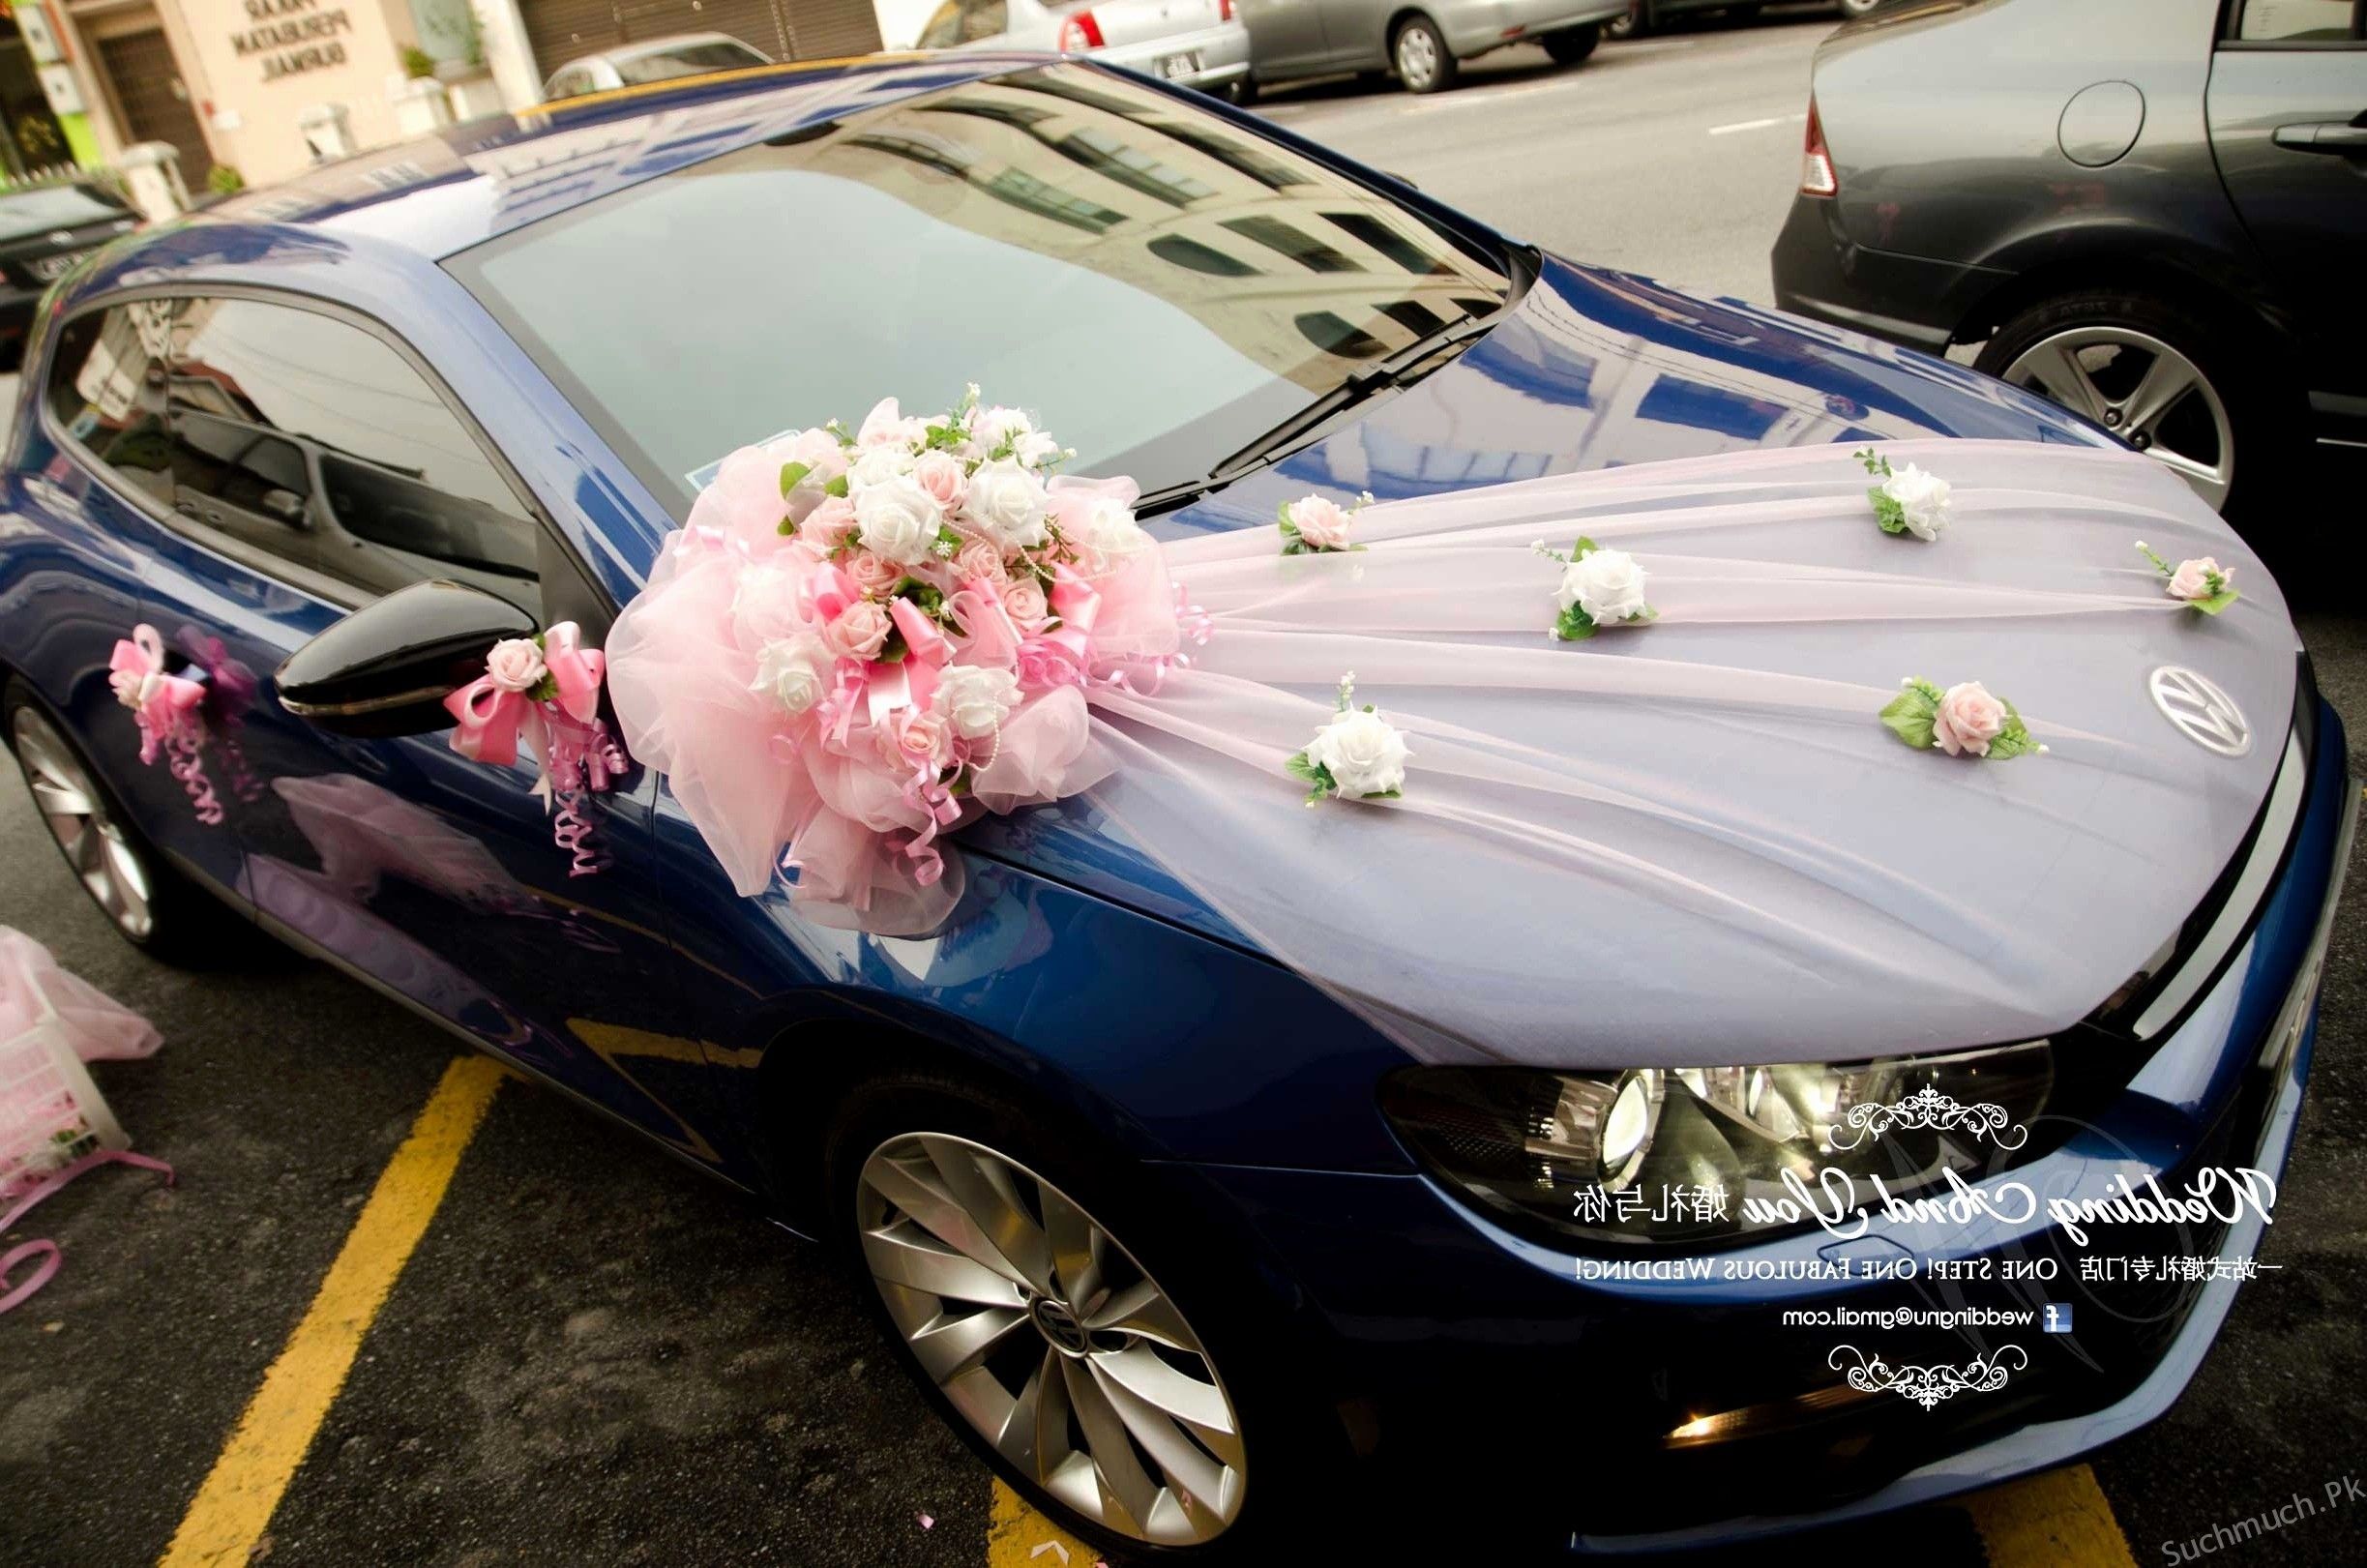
1287,38
316,466
2287,106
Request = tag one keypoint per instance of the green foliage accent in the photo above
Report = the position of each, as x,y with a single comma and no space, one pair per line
225,180
2216,602
1313,773
930,599
1873,464
2155,556
1910,713
1583,549
1887,511
1575,624
2014,740
837,487
792,474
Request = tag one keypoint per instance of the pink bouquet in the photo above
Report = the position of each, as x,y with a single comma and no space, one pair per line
863,638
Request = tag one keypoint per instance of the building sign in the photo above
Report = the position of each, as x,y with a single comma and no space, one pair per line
292,35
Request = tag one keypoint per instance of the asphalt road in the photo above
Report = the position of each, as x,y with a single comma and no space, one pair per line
594,1356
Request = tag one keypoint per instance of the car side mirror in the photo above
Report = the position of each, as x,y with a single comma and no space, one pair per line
285,505
386,668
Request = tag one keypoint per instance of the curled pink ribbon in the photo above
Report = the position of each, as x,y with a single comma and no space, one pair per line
574,754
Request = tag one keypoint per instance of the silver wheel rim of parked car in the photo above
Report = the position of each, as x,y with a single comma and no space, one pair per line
2061,365
1417,56
1048,1336
76,813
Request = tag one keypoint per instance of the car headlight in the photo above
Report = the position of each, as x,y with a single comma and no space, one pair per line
1672,1156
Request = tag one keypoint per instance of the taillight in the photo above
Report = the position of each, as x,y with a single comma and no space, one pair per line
1816,162
1223,11
1079,33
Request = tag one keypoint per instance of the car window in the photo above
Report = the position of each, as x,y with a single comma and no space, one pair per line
2300,21
943,29
106,391
43,208
1074,242
312,439
689,60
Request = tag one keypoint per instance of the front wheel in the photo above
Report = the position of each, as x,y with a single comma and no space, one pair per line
1573,44
1240,92
1095,1346
1423,62
1634,22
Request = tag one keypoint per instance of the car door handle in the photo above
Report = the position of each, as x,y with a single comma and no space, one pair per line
2325,136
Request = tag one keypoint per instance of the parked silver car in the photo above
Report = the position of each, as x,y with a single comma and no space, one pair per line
1198,42
657,59
1425,44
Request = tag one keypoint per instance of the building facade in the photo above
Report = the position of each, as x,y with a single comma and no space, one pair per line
264,88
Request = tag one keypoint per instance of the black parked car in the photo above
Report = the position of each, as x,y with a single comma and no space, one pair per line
1644,16
44,231
2154,211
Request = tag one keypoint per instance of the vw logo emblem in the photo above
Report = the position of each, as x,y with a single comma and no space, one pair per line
2202,712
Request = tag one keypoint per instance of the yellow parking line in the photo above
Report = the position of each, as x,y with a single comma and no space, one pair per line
2058,1519
230,1511
1020,1537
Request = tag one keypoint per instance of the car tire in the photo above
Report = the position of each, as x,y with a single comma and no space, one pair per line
151,904
2230,435
1240,92
1293,1455
1423,62
1635,22
1573,44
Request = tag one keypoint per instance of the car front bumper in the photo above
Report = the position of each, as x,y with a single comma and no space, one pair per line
1223,51
1449,1339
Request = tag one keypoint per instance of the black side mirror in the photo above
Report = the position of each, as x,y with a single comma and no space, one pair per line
386,668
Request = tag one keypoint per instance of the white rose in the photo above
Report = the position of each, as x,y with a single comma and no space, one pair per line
876,465
1109,529
975,698
897,520
1607,584
794,672
1006,501
1364,751
1922,497
991,428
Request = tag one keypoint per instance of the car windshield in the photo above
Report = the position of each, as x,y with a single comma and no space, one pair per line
55,206
1158,284
687,60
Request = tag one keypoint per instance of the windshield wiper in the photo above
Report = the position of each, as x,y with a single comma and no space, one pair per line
1361,385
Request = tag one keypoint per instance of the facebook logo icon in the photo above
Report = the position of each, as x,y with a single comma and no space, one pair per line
2059,1317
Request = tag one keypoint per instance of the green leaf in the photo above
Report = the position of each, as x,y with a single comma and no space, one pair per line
1887,511
1575,624
1873,464
792,473
2013,740
2216,602
1299,768
837,487
1583,549
1909,717
785,527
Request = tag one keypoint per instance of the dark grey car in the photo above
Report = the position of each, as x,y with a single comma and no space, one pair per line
2154,211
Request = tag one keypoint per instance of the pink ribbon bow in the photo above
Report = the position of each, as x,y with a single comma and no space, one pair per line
574,756
164,702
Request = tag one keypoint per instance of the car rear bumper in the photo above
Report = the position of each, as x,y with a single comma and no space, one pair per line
1449,1339
1476,29
1822,274
1222,50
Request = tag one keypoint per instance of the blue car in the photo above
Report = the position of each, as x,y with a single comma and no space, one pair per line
1192,1253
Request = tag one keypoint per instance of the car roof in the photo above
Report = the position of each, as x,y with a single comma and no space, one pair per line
470,183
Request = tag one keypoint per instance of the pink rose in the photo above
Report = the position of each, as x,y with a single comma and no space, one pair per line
874,575
980,561
2193,579
918,736
827,525
515,664
1023,602
942,475
859,630
1321,524
1968,720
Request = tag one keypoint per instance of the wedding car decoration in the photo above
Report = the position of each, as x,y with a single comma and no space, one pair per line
544,692
170,713
1599,587
2202,583
1909,500
1963,721
1357,755
1317,525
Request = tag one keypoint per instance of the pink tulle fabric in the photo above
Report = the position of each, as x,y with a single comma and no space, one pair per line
1694,839
33,986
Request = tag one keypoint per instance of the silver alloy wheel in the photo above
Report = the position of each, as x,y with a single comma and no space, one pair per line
1050,1339
1417,57
95,845
2141,390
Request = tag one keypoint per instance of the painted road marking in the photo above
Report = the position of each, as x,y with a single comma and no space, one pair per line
1020,1537
1767,123
231,1509
2058,1519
